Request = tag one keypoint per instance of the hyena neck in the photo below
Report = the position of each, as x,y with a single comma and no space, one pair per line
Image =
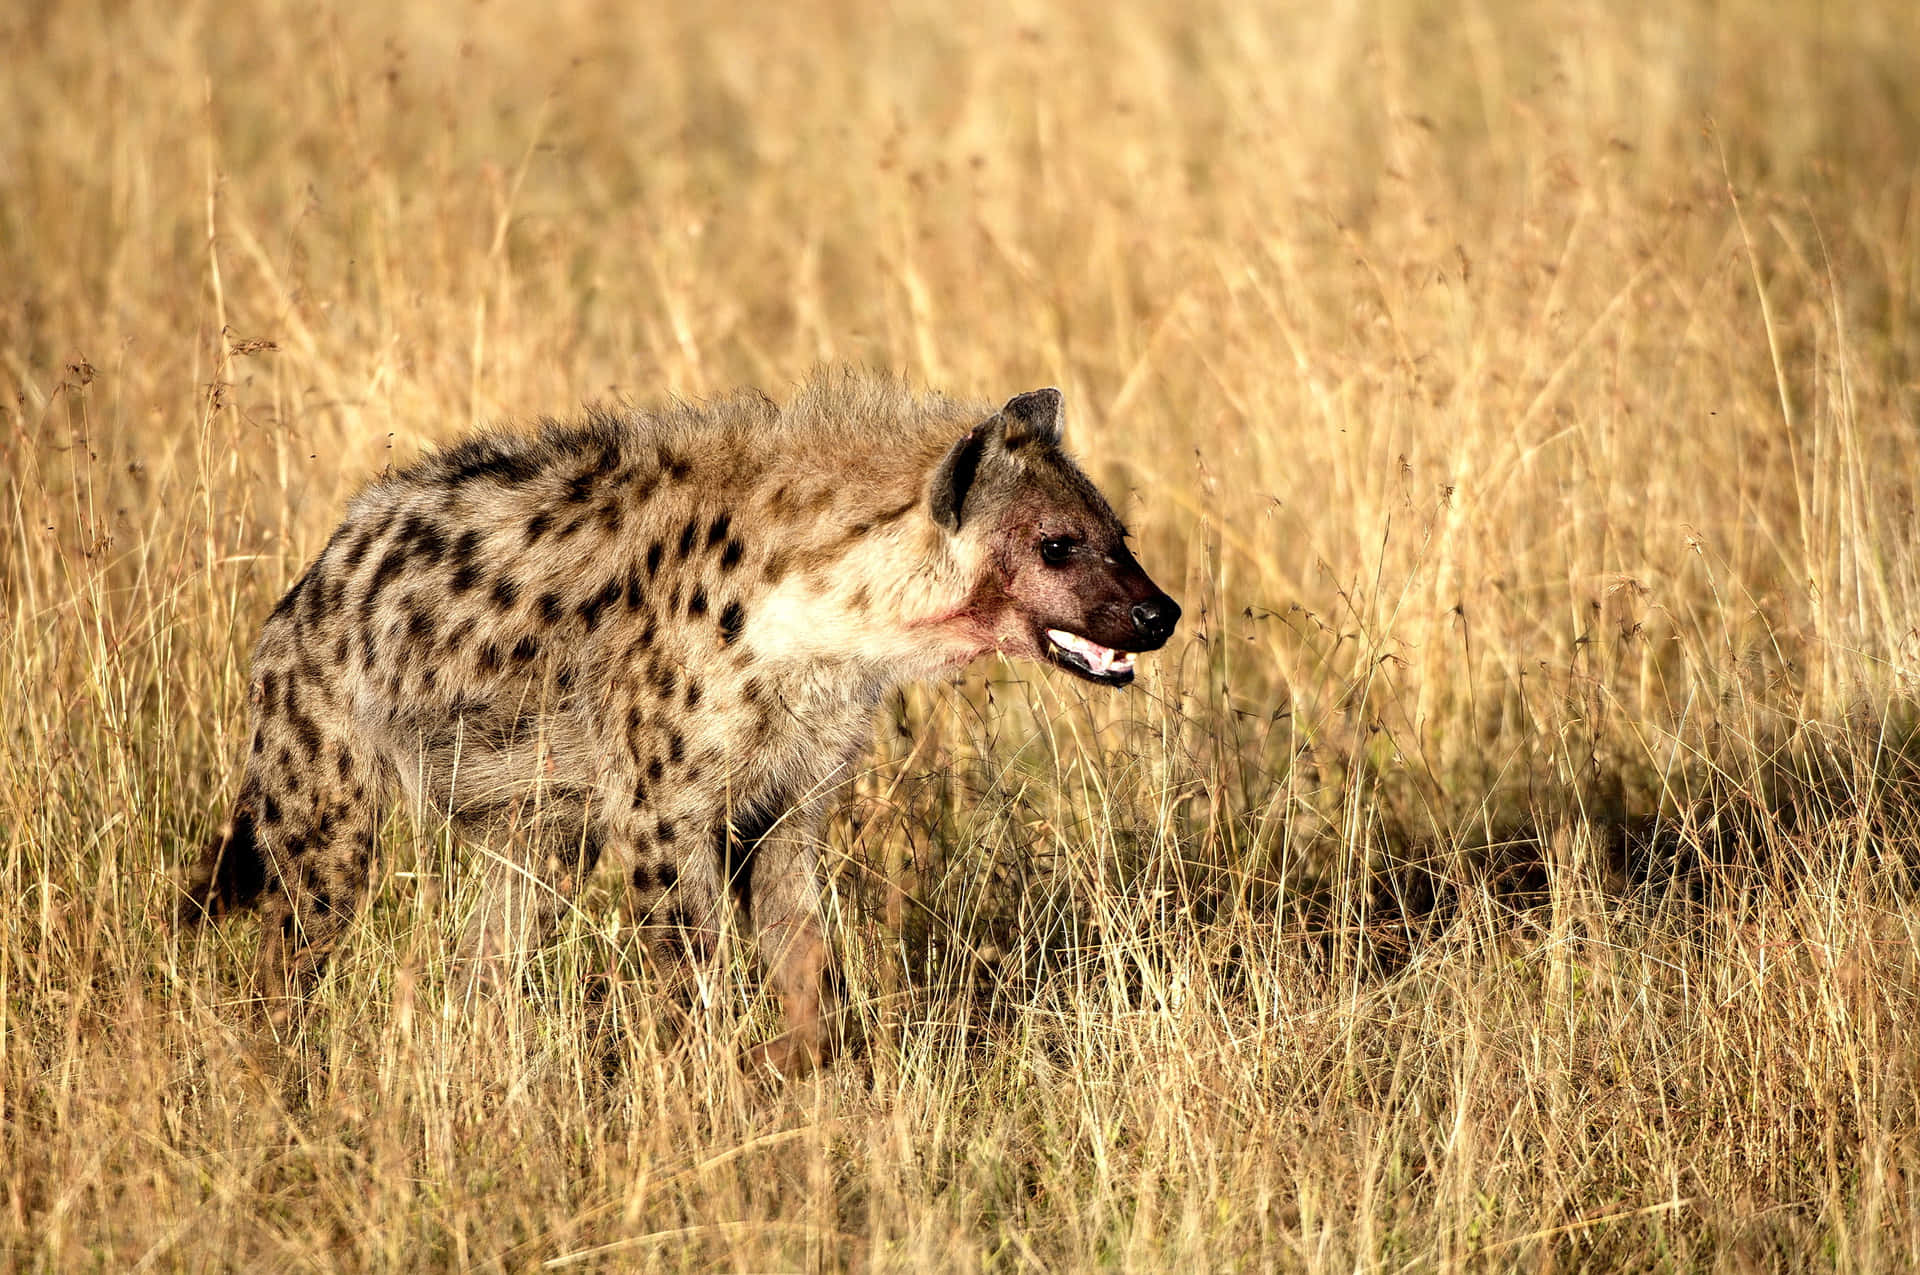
878,621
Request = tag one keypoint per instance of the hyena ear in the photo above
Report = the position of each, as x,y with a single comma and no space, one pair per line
953,477
1033,415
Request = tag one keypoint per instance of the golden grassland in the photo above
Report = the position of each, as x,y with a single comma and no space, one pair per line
1509,864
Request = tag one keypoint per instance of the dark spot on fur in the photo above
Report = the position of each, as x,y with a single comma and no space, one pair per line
506,592
259,743
466,552
269,810
457,636
639,486
732,620
654,551
730,556
664,676
489,661
357,551
526,649
642,878
610,517
860,600
392,563
579,488
639,795
313,597
672,464
537,526
634,596
697,603
344,764
419,623
304,728
665,831
667,874
655,770
776,569
688,534
424,536
572,526
286,759
488,458
608,458
340,649
428,677
549,607
693,691
717,529
591,608
676,747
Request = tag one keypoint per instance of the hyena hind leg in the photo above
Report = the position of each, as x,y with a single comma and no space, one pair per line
313,842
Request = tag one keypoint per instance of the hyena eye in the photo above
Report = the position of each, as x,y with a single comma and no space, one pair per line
1055,550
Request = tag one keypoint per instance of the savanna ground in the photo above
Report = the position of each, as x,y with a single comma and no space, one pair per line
1509,864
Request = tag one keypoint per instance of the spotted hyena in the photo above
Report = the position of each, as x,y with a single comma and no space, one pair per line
655,638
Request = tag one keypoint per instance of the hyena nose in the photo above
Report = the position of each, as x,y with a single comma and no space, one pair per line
1154,620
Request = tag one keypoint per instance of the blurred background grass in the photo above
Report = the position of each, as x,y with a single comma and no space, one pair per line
1521,399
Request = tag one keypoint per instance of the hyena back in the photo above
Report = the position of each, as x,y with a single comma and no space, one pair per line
658,639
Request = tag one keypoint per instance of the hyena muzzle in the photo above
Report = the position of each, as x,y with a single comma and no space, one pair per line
657,639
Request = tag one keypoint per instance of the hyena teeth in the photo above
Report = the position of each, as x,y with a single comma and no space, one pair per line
1101,659
651,640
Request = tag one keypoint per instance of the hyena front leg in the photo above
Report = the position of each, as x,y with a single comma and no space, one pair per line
684,891
783,909
793,949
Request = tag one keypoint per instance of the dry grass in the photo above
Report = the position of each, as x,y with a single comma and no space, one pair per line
1508,866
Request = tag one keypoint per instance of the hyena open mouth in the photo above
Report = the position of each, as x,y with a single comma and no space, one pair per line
1089,659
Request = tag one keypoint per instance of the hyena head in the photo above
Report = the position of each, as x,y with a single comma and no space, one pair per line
1057,581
